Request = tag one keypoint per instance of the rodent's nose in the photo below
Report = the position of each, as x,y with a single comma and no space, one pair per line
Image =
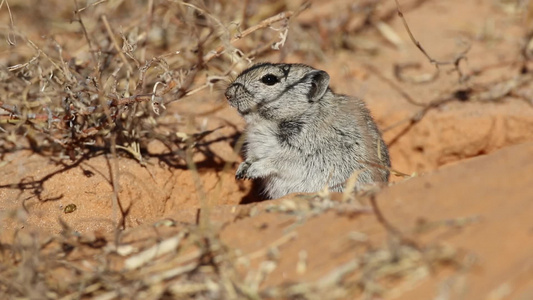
229,92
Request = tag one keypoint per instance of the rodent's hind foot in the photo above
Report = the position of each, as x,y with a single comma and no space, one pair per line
242,170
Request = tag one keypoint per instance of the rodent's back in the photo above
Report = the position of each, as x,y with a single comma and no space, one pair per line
353,113
349,132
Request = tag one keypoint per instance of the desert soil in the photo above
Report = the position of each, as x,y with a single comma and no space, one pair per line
461,222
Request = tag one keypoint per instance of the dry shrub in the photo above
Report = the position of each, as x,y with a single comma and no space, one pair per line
82,77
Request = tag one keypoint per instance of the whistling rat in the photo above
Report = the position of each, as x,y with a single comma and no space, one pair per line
300,135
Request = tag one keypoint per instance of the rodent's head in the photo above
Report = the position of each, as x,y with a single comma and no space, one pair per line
277,91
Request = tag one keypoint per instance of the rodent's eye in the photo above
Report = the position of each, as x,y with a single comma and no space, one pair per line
269,79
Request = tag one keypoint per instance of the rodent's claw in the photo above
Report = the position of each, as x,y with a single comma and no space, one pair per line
240,176
242,170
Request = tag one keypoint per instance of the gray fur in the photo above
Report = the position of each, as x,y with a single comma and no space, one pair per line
300,135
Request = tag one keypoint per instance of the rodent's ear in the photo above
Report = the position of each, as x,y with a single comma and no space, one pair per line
319,85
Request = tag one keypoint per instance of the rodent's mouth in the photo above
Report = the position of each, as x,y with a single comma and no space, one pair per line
233,101
243,107
240,106
238,102
240,98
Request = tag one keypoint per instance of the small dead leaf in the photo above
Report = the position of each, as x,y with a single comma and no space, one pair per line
70,208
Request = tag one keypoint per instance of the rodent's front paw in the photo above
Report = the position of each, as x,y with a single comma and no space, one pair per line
252,169
242,170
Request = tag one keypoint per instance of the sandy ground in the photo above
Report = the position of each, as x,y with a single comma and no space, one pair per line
467,209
